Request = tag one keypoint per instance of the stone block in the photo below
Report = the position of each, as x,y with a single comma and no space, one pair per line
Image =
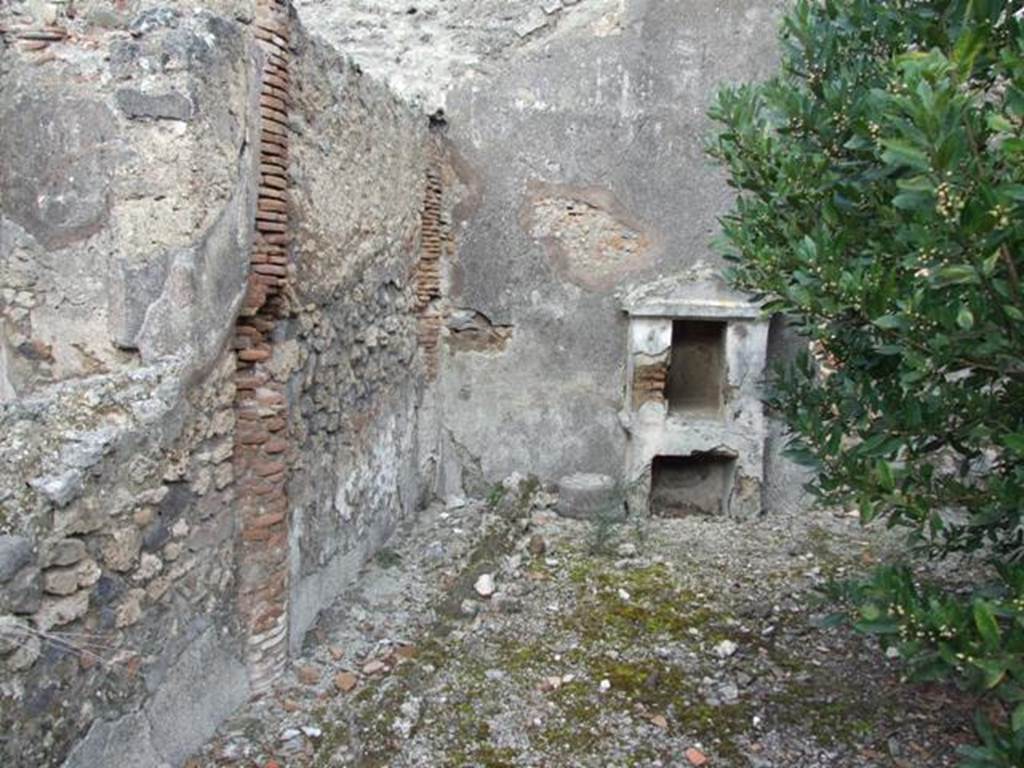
137,105
60,581
62,552
56,185
588,496
24,593
121,548
56,612
15,553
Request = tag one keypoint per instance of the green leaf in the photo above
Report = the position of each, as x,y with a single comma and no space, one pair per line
993,671
1017,721
965,318
903,153
1014,441
985,621
889,322
885,476
958,274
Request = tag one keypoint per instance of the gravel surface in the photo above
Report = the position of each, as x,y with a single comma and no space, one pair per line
645,643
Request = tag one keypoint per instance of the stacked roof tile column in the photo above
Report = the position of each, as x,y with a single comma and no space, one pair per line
261,438
428,269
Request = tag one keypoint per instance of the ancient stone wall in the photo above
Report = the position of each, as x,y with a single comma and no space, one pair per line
208,362
573,171
127,192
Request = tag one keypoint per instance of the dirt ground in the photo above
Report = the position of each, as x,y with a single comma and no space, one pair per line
656,642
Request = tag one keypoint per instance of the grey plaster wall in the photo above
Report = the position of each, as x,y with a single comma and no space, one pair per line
582,173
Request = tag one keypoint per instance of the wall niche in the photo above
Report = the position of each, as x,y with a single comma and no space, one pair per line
693,412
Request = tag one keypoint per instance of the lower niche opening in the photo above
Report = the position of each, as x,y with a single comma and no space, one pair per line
690,485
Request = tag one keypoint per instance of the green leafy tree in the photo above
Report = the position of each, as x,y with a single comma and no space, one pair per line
881,181
880,210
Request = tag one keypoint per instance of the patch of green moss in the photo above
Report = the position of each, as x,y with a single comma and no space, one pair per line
654,605
833,713
495,496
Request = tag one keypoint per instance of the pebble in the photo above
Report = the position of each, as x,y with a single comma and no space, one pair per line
725,649
345,681
626,549
484,585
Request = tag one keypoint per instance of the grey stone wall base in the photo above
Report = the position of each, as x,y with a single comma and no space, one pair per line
203,687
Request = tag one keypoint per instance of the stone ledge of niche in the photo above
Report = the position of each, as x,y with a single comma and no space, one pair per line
696,310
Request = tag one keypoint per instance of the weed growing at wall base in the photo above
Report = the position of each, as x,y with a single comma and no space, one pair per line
880,181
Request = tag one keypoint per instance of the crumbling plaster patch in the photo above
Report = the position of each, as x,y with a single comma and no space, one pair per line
590,238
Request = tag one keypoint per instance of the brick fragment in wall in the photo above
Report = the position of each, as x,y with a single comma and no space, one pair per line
649,383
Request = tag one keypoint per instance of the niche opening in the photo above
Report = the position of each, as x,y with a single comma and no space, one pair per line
696,374
698,484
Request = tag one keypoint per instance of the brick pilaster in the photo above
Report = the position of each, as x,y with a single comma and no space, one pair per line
428,268
261,407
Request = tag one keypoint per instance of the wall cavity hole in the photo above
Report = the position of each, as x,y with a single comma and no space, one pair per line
696,374
691,485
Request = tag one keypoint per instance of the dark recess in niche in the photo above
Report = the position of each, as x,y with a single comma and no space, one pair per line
690,485
696,374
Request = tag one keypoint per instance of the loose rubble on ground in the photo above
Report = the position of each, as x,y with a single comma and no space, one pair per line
498,633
